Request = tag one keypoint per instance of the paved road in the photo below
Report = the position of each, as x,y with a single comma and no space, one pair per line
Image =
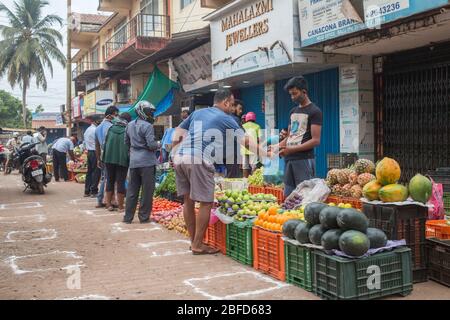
57,246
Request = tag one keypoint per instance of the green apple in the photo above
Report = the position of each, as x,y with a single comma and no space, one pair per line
235,207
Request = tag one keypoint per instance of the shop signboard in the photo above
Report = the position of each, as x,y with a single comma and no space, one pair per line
76,111
97,102
322,20
250,37
89,104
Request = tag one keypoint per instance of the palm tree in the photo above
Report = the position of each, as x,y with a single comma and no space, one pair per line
27,46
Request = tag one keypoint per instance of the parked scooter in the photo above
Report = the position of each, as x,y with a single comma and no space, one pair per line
34,171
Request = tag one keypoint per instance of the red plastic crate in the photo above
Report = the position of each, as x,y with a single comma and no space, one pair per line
333,199
256,190
216,236
356,203
277,192
438,229
268,253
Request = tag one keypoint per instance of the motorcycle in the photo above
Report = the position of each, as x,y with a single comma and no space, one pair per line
34,171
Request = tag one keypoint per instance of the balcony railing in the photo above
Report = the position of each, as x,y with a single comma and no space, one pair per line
142,25
82,67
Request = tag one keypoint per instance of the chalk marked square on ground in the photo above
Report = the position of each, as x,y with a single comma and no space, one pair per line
99,213
121,228
166,248
20,205
54,256
83,201
208,287
31,235
35,218
87,297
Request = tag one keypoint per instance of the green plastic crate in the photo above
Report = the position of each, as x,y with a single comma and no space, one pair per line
447,203
239,242
299,267
338,278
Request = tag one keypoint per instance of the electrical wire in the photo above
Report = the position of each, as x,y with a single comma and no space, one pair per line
190,13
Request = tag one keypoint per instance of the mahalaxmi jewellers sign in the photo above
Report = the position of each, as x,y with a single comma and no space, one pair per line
254,30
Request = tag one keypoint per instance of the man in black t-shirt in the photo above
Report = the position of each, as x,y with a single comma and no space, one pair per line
305,126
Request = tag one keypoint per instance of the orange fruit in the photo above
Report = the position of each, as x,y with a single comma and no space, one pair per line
256,222
265,225
261,214
265,216
273,211
272,218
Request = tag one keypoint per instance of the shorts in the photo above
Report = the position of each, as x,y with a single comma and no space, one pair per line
249,161
195,179
297,171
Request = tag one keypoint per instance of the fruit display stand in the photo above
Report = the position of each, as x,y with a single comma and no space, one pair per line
439,229
268,253
338,278
277,192
256,189
240,242
439,260
403,222
299,265
216,236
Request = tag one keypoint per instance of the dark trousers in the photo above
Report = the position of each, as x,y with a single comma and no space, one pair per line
60,165
93,174
144,177
116,175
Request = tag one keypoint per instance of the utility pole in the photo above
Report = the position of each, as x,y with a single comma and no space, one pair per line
69,67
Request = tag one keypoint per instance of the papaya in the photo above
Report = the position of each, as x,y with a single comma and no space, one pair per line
388,171
420,188
393,193
370,190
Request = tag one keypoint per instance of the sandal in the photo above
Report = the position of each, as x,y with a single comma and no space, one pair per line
112,209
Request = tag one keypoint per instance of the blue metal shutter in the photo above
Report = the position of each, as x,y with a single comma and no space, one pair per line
324,92
253,98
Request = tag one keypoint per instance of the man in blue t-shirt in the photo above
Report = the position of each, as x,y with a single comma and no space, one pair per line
200,143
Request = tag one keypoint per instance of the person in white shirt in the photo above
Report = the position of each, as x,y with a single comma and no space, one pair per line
28,138
42,148
10,145
61,148
94,173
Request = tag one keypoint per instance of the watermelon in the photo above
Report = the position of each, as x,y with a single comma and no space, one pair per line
301,233
316,233
377,238
312,212
420,188
354,243
330,239
351,219
393,193
328,217
289,228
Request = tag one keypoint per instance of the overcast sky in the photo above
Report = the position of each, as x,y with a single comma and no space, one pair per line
56,91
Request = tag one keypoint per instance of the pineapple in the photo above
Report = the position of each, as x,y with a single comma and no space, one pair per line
332,176
353,178
365,178
343,176
336,190
356,191
346,190
364,166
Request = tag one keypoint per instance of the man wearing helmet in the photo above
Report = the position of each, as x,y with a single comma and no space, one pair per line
250,159
10,145
140,137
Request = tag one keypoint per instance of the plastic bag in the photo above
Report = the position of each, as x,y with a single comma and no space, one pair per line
222,217
437,201
314,190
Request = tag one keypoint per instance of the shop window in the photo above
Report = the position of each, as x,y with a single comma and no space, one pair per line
185,3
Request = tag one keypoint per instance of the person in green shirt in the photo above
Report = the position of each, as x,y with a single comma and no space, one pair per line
116,157
250,159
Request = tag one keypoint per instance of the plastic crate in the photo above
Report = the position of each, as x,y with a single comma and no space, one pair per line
403,222
239,242
438,229
333,199
441,177
338,278
268,253
439,260
299,265
277,192
216,236
256,190
341,160
446,200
